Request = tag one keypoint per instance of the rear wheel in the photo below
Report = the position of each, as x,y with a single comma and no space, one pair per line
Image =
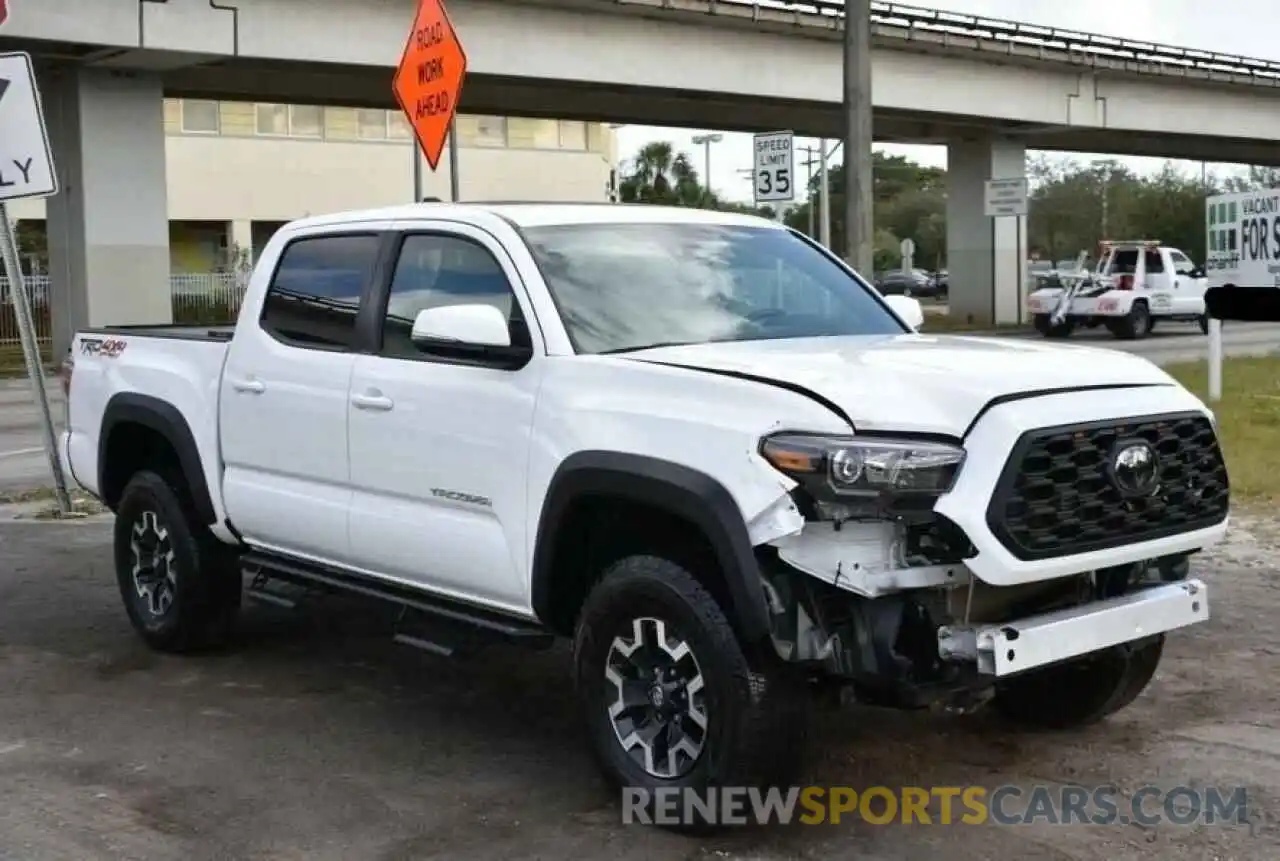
1135,325
1045,326
1082,691
181,586
669,696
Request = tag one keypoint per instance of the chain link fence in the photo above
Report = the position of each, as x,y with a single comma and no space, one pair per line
199,299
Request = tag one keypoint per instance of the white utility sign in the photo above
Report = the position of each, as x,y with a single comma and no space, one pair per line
26,161
775,167
1006,197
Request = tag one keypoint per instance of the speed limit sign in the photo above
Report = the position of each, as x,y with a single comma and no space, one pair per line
775,167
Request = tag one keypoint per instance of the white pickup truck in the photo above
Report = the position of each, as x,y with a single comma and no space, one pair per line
1135,285
696,443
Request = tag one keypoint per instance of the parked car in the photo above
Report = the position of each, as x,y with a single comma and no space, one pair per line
728,488
916,283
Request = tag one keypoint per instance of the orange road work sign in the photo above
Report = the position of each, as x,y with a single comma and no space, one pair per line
428,81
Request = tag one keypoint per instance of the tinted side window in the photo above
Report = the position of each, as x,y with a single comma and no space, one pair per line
1155,263
435,270
1181,264
315,294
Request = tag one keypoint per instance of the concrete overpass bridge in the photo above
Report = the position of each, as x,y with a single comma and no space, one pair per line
985,88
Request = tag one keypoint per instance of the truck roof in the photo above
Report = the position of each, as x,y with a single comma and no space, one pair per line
542,214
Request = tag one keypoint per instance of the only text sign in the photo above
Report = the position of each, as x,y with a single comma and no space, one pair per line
26,161
775,167
1006,196
429,80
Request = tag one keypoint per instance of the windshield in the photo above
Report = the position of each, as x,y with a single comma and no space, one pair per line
625,287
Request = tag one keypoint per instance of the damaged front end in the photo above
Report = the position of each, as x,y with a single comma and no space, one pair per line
872,590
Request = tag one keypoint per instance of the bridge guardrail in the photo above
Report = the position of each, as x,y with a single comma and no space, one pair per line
1007,36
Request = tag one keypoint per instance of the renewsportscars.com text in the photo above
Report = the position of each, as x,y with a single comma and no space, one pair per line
939,805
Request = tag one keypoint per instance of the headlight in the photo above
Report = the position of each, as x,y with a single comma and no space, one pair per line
856,476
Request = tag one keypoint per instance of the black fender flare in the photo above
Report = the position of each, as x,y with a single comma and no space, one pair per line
679,490
165,419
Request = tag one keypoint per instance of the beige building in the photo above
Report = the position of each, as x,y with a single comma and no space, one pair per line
237,170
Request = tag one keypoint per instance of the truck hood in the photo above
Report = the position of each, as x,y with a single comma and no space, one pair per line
914,383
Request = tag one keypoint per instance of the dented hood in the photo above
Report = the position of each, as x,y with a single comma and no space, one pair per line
914,383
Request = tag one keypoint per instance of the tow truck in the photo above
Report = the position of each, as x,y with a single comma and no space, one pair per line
1136,284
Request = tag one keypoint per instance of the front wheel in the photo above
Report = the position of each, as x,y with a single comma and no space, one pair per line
1081,691
181,586
670,697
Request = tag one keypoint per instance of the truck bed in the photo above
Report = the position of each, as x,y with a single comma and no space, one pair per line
179,366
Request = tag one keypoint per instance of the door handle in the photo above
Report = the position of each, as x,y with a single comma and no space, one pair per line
249,386
372,400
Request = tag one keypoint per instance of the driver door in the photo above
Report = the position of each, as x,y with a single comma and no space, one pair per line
1188,289
440,446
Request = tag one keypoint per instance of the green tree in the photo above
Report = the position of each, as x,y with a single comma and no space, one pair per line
910,201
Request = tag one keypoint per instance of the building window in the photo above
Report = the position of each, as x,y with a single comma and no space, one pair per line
398,126
299,121
372,124
481,131
573,135
306,121
526,133
199,117
273,120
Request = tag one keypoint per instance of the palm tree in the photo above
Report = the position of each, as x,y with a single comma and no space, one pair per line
658,174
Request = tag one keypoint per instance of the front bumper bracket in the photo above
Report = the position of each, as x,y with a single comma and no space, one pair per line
1036,641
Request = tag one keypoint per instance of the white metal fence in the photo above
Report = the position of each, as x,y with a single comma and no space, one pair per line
205,298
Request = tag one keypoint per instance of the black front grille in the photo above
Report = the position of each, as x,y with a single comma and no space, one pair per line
1056,496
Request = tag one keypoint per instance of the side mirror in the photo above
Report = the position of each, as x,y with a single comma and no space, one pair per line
476,333
1197,272
908,310
461,325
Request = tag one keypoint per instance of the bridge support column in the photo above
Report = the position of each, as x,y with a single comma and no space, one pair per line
986,257
109,223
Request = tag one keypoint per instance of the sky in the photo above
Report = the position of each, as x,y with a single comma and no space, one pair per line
1200,24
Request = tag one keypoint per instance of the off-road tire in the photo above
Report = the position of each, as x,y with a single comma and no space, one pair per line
1135,325
1080,692
1045,326
757,712
205,590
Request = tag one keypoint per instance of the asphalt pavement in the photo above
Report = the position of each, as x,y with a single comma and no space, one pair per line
23,463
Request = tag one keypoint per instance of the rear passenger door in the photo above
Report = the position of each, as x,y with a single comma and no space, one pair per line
440,443
1158,281
283,403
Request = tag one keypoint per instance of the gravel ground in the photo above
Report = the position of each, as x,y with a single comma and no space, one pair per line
318,739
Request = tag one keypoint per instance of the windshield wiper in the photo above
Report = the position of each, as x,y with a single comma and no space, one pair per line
647,347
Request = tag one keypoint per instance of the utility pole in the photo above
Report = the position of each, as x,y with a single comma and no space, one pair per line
809,162
706,141
858,198
824,196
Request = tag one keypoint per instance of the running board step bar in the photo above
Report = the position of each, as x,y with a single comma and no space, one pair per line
453,613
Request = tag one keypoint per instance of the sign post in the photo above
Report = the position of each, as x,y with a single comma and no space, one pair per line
773,176
428,83
1007,198
26,170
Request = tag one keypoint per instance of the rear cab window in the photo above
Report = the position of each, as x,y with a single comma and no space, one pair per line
315,292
